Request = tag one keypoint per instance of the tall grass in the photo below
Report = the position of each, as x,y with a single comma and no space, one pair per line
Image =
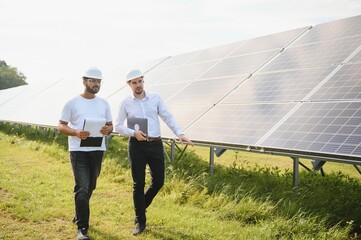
235,202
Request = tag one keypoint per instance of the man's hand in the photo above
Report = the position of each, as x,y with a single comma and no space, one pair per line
140,136
82,134
106,130
183,138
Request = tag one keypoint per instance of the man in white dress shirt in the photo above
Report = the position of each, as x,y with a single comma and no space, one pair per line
145,149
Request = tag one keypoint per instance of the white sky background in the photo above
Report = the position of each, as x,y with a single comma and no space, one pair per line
46,39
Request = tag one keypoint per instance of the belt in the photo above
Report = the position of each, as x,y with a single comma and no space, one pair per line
153,139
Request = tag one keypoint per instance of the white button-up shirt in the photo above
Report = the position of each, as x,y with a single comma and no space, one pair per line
150,107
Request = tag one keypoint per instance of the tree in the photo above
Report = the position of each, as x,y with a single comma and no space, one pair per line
10,77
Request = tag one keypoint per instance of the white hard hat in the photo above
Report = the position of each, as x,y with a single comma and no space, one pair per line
134,74
93,73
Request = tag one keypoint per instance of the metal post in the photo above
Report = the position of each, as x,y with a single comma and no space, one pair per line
211,159
296,161
172,151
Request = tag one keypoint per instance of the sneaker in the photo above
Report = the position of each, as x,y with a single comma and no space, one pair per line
82,234
139,228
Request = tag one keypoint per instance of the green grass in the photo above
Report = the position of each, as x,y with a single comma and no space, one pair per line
249,196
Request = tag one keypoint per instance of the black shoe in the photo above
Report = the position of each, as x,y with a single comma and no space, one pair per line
82,234
139,228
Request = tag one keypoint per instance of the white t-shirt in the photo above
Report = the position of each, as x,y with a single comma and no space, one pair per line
78,109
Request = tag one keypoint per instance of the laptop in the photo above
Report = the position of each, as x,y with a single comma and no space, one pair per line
138,124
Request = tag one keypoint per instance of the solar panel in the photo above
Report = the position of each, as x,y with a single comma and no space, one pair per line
208,91
325,127
294,91
166,90
114,80
356,58
332,30
184,114
27,94
186,72
291,85
158,74
238,124
234,66
8,94
314,54
273,41
216,52
115,99
345,84
40,104
179,59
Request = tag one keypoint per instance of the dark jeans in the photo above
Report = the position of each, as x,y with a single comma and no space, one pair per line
86,169
142,153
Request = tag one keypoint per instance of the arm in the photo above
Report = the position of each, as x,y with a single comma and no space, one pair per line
107,129
65,129
182,138
168,118
123,130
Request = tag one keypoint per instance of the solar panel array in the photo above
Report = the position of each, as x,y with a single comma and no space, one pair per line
297,91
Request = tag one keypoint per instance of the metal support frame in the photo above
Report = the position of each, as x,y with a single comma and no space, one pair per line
317,160
304,166
296,171
357,168
212,152
173,146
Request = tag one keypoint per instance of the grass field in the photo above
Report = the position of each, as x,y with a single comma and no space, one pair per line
249,196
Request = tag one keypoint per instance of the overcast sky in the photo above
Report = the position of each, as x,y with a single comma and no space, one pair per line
45,39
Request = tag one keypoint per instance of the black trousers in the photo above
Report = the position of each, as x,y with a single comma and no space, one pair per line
86,169
142,153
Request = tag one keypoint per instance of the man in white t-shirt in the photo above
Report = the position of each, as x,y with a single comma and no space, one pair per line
86,151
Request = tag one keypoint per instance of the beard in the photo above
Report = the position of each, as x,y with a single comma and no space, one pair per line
93,90
138,91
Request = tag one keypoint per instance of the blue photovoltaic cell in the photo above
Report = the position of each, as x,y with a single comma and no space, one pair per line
314,55
332,30
345,84
279,86
238,124
331,127
233,66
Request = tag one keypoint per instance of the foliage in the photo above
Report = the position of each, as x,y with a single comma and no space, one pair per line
232,203
10,76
